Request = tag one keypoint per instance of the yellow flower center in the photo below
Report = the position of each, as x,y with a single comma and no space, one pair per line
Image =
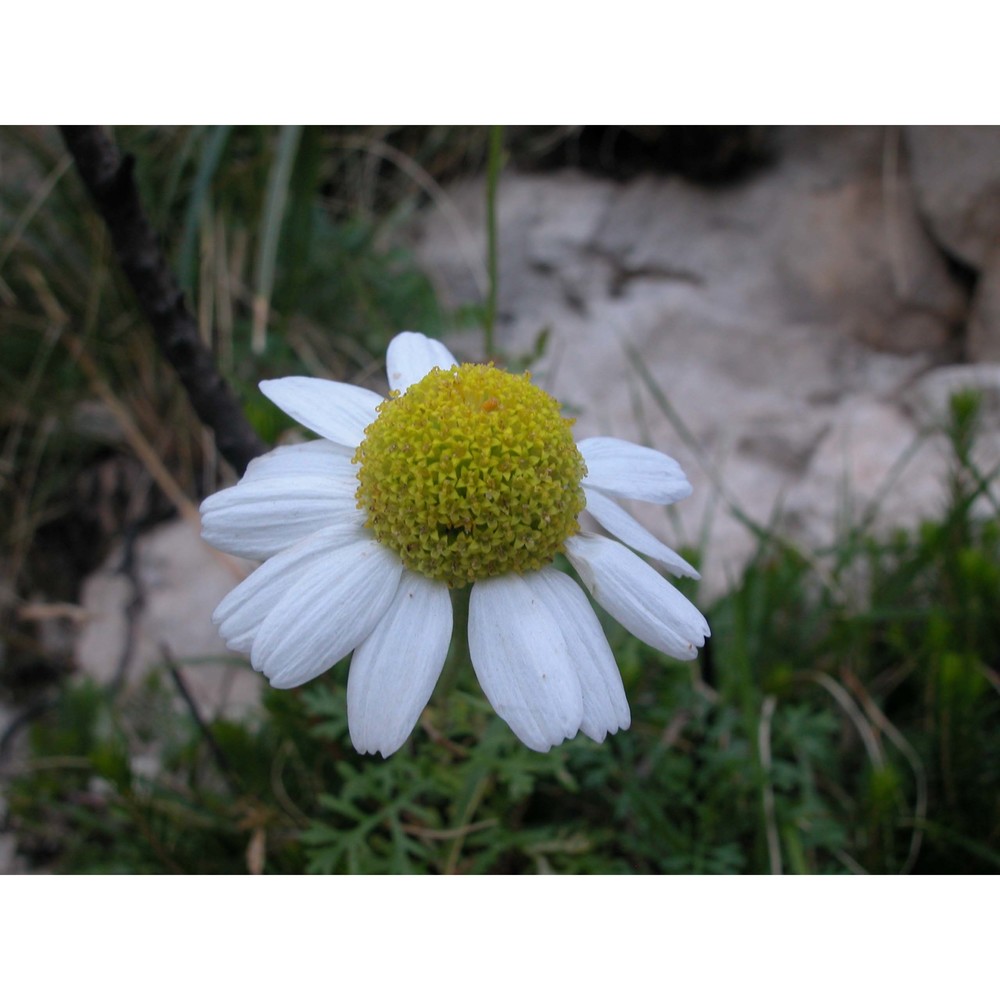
471,473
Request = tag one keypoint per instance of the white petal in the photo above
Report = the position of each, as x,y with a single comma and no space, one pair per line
242,611
605,707
310,458
259,518
411,356
629,470
326,613
393,672
520,657
335,410
633,534
633,593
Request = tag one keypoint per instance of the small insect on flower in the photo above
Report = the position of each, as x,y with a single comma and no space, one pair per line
465,475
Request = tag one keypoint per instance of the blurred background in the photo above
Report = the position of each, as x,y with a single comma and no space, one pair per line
808,319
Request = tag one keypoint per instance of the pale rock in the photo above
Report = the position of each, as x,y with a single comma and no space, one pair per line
956,171
753,331
180,580
827,237
983,341
869,469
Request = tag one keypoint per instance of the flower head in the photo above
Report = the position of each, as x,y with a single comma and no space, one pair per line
466,474
471,473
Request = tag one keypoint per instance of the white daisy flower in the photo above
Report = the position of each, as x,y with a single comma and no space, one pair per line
466,474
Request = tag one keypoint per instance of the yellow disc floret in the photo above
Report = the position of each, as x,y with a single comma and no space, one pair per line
471,473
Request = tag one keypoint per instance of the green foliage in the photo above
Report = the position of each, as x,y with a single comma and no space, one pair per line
848,723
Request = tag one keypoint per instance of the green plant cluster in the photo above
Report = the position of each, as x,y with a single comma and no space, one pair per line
826,731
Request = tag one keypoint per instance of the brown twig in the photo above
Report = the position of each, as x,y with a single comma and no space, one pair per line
108,176
229,775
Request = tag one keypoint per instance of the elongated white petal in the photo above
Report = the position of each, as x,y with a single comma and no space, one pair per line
522,662
243,610
629,470
411,356
394,670
607,513
309,458
326,613
632,592
334,410
258,519
605,707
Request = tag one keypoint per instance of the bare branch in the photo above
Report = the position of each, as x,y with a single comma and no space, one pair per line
108,176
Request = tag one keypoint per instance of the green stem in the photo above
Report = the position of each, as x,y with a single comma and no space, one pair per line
458,654
493,168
